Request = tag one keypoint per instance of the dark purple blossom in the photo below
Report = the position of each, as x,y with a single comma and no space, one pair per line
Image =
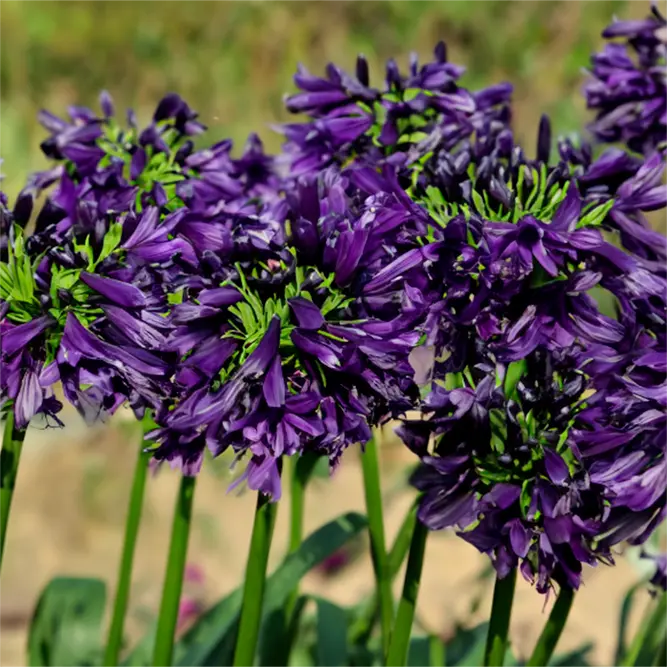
425,110
627,87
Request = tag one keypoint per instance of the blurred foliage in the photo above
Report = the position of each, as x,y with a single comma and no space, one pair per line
233,61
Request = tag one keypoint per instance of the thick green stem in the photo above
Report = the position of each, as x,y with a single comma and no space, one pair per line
173,580
255,579
363,627
499,624
10,455
115,639
546,644
301,470
371,472
397,655
648,633
661,654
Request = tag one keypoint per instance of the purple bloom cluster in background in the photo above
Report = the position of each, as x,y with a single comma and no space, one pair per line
277,305
628,85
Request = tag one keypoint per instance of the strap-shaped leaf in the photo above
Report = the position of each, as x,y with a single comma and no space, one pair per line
67,623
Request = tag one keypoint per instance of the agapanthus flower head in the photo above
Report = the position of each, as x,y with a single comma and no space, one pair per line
116,169
496,473
628,84
425,109
542,438
86,310
126,221
113,165
295,330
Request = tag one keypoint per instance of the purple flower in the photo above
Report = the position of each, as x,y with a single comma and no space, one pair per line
502,481
350,119
627,85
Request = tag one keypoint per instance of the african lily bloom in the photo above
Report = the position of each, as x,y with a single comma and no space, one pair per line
425,107
84,312
547,415
627,85
295,332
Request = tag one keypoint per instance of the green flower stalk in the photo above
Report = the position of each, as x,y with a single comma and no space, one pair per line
301,471
400,637
499,623
173,581
12,444
371,473
255,580
553,629
115,639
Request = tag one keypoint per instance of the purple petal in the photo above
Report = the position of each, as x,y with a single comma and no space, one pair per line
315,347
124,294
520,537
262,356
18,337
274,384
29,399
219,296
138,163
555,466
565,218
308,315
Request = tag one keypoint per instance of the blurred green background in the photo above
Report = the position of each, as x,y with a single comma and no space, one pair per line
233,61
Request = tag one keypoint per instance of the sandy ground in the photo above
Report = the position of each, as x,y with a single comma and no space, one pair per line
68,515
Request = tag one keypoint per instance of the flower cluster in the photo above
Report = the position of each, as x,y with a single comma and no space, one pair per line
423,116
628,86
293,340
543,435
273,306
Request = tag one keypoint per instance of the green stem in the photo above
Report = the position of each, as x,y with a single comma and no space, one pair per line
255,579
115,638
499,624
397,655
647,633
661,654
437,651
371,473
552,630
301,470
10,455
173,580
363,627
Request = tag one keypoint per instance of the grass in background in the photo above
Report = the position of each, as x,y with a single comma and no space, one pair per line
233,61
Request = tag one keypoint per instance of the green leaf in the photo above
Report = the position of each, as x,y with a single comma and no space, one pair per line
209,637
650,634
479,202
142,653
66,625
331,634
526,496
466,647
279,635
626,608
87,250
596,216
575,658
515,371
111,241
426,651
